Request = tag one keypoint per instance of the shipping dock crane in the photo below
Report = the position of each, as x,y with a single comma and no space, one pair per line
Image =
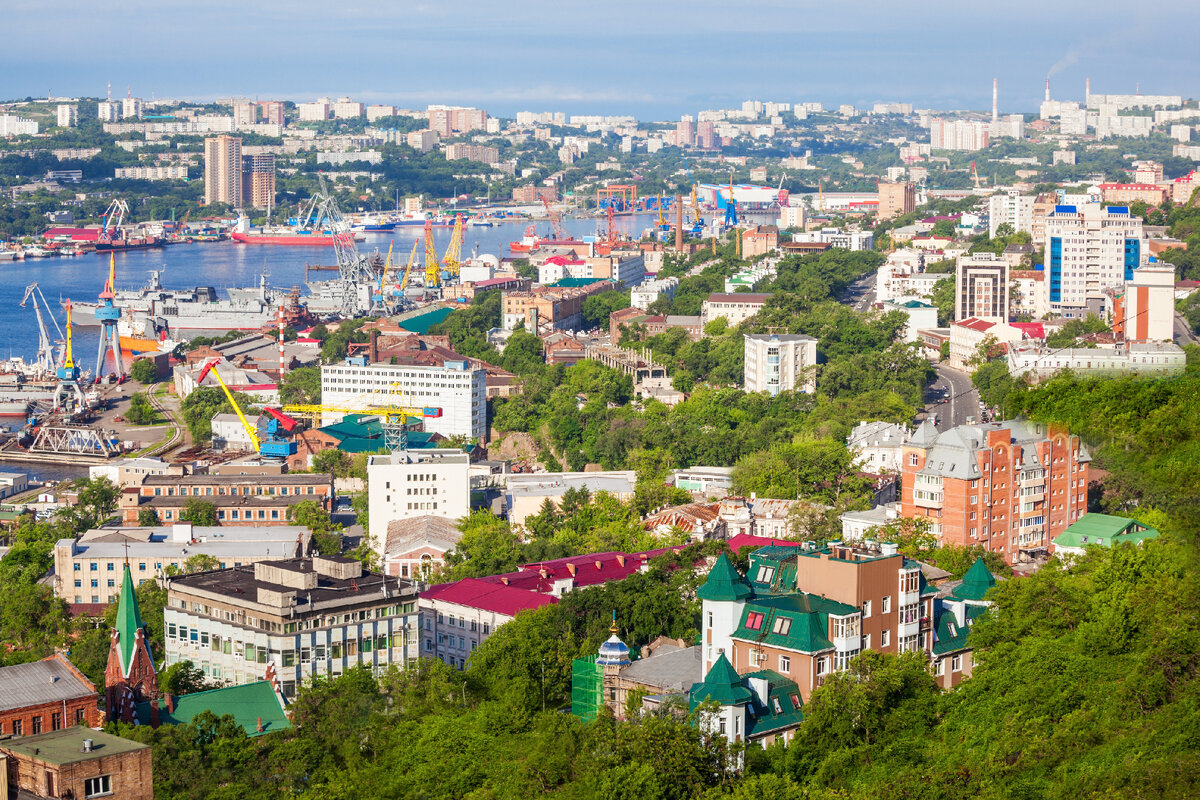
107,314
454,250
46,363
270,443
560,233
67,390
433,272
412,259
731,217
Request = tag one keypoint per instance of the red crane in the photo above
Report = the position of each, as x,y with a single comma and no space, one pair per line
555,221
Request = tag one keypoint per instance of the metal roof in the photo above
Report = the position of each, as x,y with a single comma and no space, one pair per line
46,681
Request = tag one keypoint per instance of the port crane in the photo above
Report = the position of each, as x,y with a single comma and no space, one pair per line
113,217
354,269
731,217
67,389
454,250
555,221
389,403
412,258
107,315
270,443
975,175
433,272
46,363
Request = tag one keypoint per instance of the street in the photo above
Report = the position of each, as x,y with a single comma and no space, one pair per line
1183,331
952,398
861,294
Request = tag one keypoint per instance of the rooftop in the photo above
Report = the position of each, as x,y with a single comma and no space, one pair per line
739,297
50,680
489,596
669,668
230,541
248,704
286,479
65,746
1104,530
409,532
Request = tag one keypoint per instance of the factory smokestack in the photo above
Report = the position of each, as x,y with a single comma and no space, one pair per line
1087,92
995,105
1047,89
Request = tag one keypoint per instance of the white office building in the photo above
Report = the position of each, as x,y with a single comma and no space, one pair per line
416,483
981,287
12,125
1010,208
1090,249
780,362
454,393
645,294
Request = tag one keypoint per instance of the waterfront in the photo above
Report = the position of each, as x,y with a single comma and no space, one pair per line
225,264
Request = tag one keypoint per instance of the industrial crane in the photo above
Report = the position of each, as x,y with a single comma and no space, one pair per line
388,403
975,175
555,220
117,210
662,218
68,373
45,356
433,272
731,217
107,315
274,446
412,258
454,250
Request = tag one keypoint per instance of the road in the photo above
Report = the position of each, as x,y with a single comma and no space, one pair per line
860,294
952,398
1183,331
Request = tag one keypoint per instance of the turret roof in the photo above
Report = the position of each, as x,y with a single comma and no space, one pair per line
723,583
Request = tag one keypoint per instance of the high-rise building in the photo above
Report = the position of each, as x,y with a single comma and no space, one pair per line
685,131
131,107
981,285
958,134
345,108
245,113
780,363
68,116
316,111
1012,209
1143,309
271,112
1090,248
449,121
1009,487
107,111
223,170
896,199
416,483
258,180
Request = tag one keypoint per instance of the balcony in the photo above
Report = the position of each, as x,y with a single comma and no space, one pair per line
908,628
926,624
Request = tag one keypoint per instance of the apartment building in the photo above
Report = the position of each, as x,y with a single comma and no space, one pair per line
449,121
258,180
896,199
1090,248
1009,487
735,308
543,310
422,141
1012,209
415,483
780,363
759,240
1028,295
1154,358
644,295
46,695
239,499
1152,194
160,172
958,134
1144,308
223,170
453,394
316,111
877,446
87,570
472,152
981,287
300,617
67,115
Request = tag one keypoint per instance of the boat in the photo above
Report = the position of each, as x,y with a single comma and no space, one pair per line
38,252
125,242
292,236
138,335
480,223
198,309
372,224
8,255
531,241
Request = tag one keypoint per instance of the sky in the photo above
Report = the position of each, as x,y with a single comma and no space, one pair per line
653,59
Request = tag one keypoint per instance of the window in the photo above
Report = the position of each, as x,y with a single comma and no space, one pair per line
754,620
956,664
866,641
912,459
886,604
941,666
785,664
782,625
822,665
37,724
866,610
885,638
94,787
55,721
80,716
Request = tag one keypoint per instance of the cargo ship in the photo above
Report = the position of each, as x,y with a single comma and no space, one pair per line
531,241
105,245
292,236
372,224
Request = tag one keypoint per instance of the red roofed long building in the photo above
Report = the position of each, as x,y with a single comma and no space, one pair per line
457,617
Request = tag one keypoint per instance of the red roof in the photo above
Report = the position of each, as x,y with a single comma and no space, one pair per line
488,596
976,324
736,543
1034,330
563,261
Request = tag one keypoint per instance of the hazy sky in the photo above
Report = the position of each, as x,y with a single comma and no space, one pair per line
651,59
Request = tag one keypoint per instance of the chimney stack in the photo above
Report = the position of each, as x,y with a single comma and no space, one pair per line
1087,92
995,105
1047,88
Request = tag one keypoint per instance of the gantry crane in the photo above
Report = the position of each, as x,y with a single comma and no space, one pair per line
270,444
107,315
454,250
731,218
46,362
555,221
433,272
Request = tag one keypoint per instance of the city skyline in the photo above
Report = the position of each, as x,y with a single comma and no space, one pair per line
653,62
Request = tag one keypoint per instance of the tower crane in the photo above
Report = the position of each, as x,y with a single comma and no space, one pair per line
270,444
555,220
45,356
383,273
975,175
433,273
731,218
454,250
113,217
389,403
107,315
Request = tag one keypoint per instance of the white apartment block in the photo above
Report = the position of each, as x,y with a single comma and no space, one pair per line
644,295
68,116
317,111
1144,309
309,618
455,390
1028,295
1088,250
107,112
345,108
131,107
902,278
167,172
736,308
1148,358
1012,209
11,125
780,362
981,287
877,446
958,134
416,483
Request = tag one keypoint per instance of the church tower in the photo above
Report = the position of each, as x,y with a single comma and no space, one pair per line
130,676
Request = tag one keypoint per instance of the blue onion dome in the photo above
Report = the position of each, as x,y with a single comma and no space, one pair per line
613,651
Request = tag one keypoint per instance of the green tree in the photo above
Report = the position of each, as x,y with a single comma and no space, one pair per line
301,386
337,463
148,517
97,500
200,513
143,371
141,412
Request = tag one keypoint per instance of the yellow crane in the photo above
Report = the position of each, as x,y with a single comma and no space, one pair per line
387,265
389,402
251,431
454,250
433,272
275,446
412,259
662,218
696,207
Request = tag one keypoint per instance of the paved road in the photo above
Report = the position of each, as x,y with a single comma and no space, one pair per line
861,293
952,398
1183,331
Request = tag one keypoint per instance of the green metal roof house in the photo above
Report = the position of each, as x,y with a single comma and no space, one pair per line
1101,530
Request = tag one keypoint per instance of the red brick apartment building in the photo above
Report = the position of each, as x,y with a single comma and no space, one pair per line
1010,487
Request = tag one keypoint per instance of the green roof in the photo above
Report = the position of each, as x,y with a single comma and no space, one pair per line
1103,530
247,704
976,583
723,583
806,630
65,746
574,283
773,569
421,323
722,684
129,619
782,692
950,636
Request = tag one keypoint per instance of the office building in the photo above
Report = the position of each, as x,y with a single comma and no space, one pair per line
454,394
407,484
1009,487
223,170
981,282
249,500
68,116
1012,209
1089,249
896,199
87,569
1152,194
734,308
780,363
299,618
258,180
958,134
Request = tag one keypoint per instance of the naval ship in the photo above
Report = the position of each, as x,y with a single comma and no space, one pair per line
198,309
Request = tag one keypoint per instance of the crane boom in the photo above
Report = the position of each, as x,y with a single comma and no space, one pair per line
412,258
432,267
250,430
555,221
454,250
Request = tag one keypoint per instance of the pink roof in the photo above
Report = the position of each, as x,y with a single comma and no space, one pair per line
494,282
976,324
1034,330
736,543
562,261
488,596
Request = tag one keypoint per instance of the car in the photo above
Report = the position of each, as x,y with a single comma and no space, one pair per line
118,419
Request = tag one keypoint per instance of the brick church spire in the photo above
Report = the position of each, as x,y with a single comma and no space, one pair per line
130,676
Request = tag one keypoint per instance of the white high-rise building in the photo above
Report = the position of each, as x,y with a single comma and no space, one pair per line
1012,209
780,362
68,116
958,134
11,125
107,111
1090,249
345,108
981,288
317,111
455,393
131,107
416,483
